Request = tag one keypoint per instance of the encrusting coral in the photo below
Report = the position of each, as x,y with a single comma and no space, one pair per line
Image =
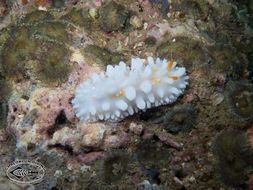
121,91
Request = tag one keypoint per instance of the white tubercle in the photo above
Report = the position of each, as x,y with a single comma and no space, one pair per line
122,90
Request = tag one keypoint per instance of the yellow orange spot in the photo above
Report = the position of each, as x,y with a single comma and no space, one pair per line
145,61
170,64
120,93
174,77
155,80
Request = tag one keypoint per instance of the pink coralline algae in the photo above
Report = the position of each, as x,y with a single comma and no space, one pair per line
51,103
30,120
91,157
46,119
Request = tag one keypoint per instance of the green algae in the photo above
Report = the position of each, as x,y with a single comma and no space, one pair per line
3,114
3,8
52,64
150,41
239,100
75,16
180,119
114,167
250,66
147,151
17,50
49,57
53,30
58,3
186,49
4,35
196,9
36,47
228,13
79,17
226,60
102,55
113,17
233,158
5,90
36,16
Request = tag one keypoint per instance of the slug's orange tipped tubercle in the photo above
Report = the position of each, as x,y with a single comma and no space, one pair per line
174,77
170,65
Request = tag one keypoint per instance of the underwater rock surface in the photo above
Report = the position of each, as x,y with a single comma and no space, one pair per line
202,141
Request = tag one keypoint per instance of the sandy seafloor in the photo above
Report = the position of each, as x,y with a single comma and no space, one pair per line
202,141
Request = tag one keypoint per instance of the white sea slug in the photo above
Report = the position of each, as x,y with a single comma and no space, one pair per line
122,90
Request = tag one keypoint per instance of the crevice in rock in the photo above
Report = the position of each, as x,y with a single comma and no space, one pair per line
60,121
67,148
